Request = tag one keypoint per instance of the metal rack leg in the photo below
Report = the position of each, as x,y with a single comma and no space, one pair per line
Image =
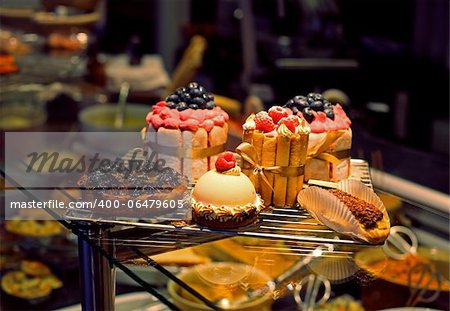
97,275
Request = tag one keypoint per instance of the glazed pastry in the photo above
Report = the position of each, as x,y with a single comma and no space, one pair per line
353,209
330,140
192,126
280,141
147,182
212,204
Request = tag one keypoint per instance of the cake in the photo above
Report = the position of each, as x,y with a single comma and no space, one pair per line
278,141
330,139
224,197
130,193
187,130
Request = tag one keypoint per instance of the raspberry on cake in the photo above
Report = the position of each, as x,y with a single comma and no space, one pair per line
212,204
277,113
264,122
187,130
330,138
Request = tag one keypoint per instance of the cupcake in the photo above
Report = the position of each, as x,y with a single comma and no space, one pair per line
224,197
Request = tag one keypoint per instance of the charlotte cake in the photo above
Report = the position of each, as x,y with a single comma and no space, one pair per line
187,130
330,139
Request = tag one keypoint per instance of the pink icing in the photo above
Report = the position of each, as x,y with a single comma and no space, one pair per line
207,125
148,118
171,123
219,120
188,119
157,121
199,115
322,123
191,125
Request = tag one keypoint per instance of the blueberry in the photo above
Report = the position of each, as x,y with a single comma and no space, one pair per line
193,85
180,91
193,106
186,97
200,102
301,103
329,113
327,105
210,105
195,93
308,115
289,103
299,97
295,110
173,98
201,89
318,96
209,96
170,105
316,106
182,106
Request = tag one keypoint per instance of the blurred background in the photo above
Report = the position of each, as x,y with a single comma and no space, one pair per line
63,64
386,62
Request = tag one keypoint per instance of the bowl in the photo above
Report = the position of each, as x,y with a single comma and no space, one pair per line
224,282
100,118
22,107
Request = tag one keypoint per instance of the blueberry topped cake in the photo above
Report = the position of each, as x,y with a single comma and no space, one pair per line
187,130
330,139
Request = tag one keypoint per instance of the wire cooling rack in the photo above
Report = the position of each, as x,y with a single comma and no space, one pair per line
289,224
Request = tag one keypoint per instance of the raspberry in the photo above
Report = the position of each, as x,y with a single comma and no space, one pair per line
264,122
277,113
225,161
291,122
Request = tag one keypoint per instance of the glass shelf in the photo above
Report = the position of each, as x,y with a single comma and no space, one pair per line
274,258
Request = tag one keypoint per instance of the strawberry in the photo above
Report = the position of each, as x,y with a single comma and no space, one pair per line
291,122
264,122
225,161
277,113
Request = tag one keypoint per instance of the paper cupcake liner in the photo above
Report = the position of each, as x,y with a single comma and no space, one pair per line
330,211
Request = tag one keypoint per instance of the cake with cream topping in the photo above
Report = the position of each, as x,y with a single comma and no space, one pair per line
187,130
330,139
224,197
277,141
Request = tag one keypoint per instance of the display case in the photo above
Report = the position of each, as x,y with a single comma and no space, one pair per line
286,260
